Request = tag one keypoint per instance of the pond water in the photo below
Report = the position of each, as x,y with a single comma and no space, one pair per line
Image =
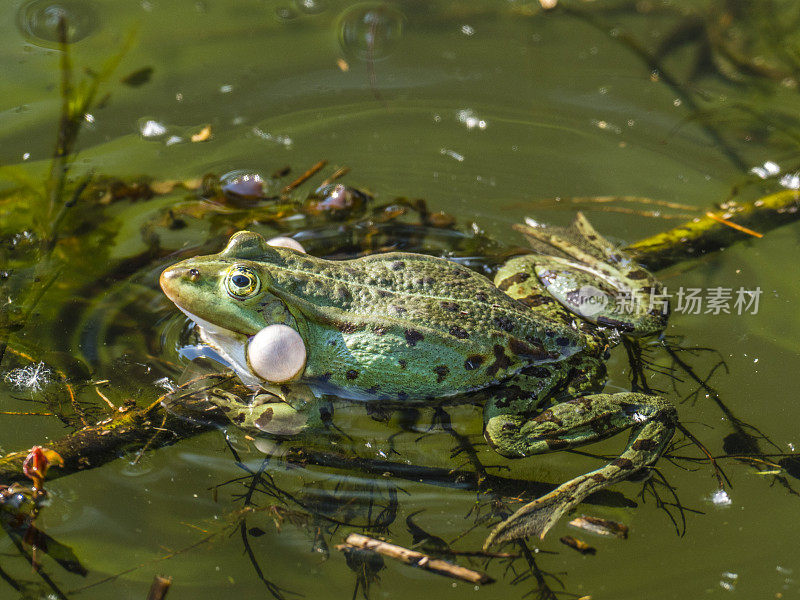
488,111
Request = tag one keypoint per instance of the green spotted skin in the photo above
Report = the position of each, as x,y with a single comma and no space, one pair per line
411,327
390,326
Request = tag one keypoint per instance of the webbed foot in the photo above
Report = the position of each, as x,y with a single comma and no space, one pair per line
574,423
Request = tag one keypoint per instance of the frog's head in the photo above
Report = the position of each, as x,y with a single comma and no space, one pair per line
227,295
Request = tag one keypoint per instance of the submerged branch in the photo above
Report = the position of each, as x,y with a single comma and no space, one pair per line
415,559
709,233
101,443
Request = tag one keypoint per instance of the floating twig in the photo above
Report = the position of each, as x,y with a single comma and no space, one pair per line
160,587
304,177
578,545
415,559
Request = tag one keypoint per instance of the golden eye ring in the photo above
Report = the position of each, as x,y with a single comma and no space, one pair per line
242,283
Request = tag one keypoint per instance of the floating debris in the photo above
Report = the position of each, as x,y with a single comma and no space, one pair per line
203,135
32,377
600,526
578,545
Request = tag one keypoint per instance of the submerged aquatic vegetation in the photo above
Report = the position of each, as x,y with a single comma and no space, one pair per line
336,219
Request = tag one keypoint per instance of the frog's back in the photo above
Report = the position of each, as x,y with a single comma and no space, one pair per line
399,324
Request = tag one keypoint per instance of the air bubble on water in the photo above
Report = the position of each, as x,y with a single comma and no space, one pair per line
791,181
150,128
283,140
174,139
468,118
768,169
285,13
728,581
721,498
243,184
370,31
311,7
468,30
32,378
38,20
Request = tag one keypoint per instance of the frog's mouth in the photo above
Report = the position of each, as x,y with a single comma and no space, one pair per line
230,345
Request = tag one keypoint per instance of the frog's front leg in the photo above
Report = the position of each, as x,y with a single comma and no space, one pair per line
573,423
278,410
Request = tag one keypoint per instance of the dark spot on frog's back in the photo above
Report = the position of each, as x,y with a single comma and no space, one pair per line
351,374
459,332
473,362
501,361
449,306
413,336
442,371
398,265
536,351
343,294
403,363
504,323
562,341
516,278
481,297
536,371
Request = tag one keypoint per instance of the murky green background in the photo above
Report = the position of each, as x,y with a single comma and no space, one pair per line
489,113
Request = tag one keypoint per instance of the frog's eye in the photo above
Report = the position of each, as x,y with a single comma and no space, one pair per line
242,283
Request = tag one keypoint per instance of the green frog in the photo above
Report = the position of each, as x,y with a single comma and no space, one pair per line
402,327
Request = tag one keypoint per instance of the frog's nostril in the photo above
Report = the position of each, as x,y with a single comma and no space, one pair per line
194,274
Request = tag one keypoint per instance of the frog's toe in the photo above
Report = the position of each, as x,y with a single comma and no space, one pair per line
534,519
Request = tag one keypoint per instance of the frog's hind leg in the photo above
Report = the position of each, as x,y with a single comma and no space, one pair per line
593,278
574,423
